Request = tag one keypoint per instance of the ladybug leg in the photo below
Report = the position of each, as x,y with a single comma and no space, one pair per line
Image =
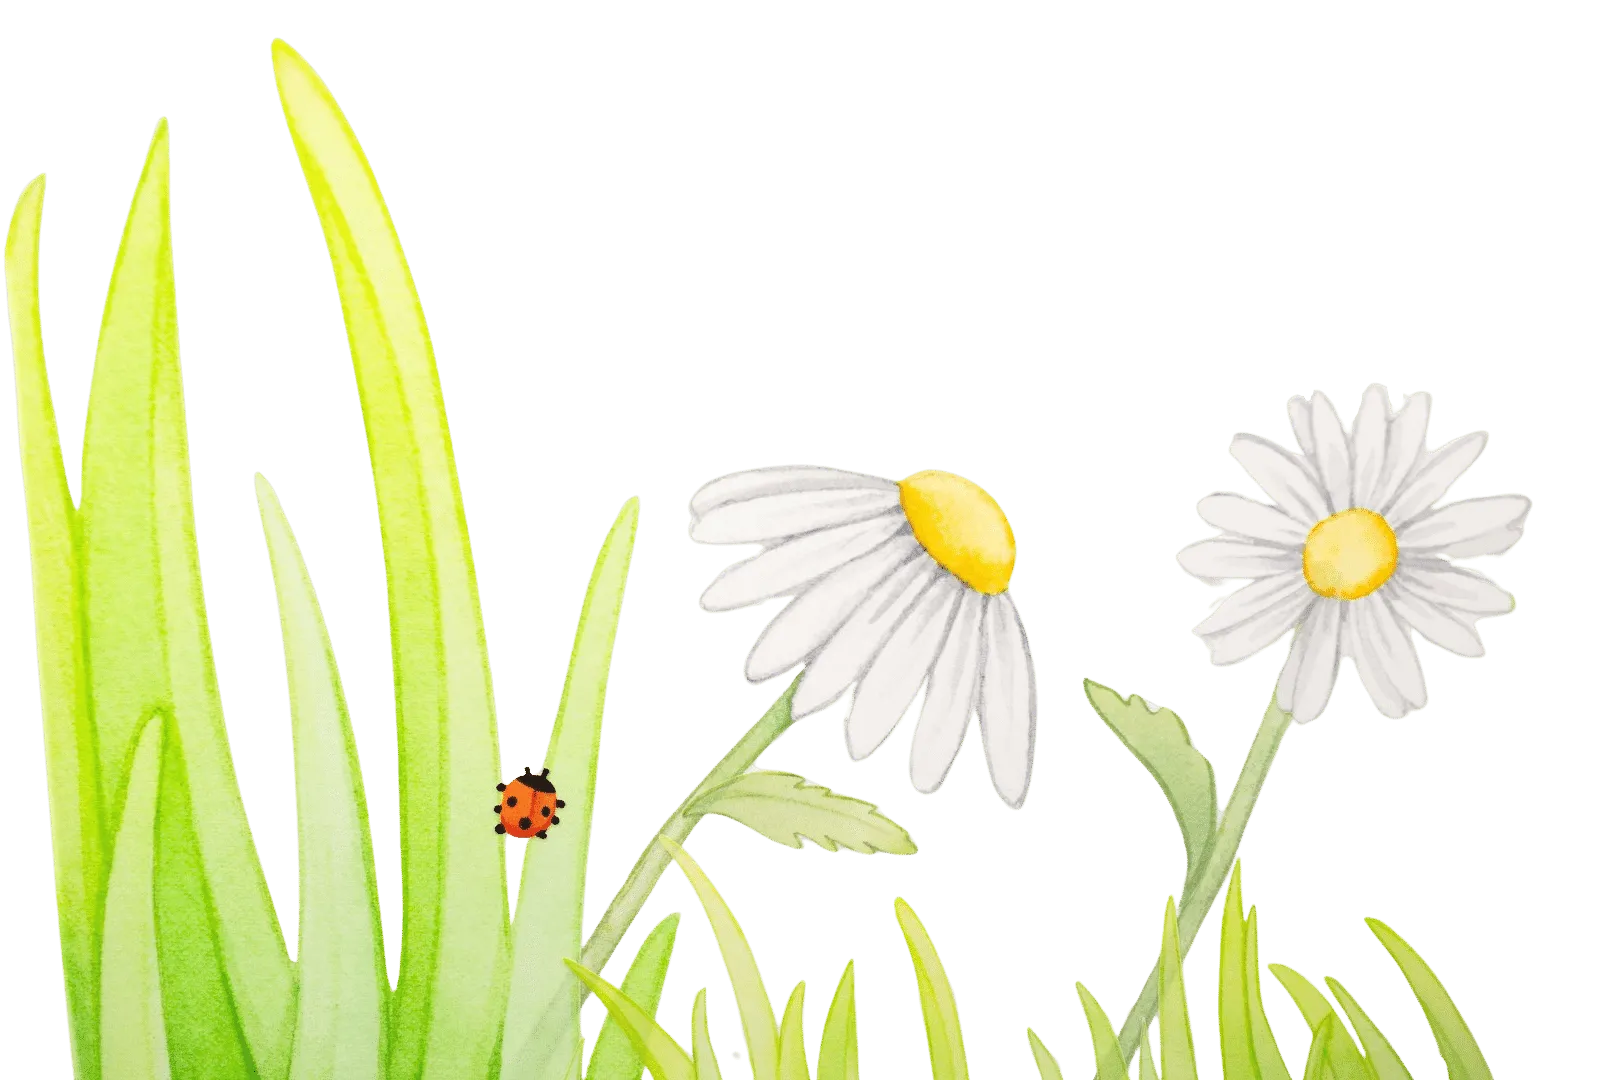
500,787
561,804
555,820
497,809
500,829
541,835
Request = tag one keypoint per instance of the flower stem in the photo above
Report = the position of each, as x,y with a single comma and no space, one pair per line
644,875
1200,894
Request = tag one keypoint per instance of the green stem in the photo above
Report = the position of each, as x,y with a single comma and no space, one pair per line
1200,895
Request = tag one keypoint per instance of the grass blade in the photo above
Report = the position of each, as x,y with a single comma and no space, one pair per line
1317,1062
1344,1059
705,1066
455,950
615,1058
341,1027
753,1004
837,1059
1457,1047
1268,1058
1237,1045
1175,1027
147,631
73,778
1146,1070
791,1062
1382,1060
945,1050
1110,1062
661,1053
1045,1063
783,807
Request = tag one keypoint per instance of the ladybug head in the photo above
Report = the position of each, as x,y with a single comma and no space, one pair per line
538,783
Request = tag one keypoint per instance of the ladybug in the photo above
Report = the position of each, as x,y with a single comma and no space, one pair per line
530,806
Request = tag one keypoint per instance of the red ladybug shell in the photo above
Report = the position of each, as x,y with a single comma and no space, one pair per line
529,807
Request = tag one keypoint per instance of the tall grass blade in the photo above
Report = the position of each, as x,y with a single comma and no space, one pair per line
661,1053
792,1063
1318,1065
341,1027
454,957
940,1020
1268,1058
1457,1047
837,1059
1344,1059
1145,1070
615,1058
705,1066
1045,1063
72,771
1382,1060
1105,1047
1175,1026
1237,1045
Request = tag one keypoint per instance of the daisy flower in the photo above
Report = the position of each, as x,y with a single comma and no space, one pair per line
1352,554
893,585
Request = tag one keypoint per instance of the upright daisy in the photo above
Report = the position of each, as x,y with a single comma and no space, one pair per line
1353,554
894,584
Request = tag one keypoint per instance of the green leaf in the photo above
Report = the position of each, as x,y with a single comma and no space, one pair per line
791,1062
661,1053
753,1004
614,1057
1317,1062
1456,1043
72,773
1268,1059
945,1050
1110,1062
341,1027
838,1059
455,951
784,807
147,644
132,1039
1344,1059
1160,742
1237,1046
1045,1063
703,1059
1146,1071
1382,1060
1175,1027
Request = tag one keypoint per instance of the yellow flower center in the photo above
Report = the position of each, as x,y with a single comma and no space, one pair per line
1349,555
960,525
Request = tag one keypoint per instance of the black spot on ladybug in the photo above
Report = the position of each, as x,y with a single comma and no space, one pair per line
511,800
524,823
500,828
545,811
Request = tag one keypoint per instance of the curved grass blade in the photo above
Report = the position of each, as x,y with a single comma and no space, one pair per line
1045,1063
455,950
661,1053
1268,1058
837,1059
1237,1045
791,1062
753,1004
1382,1060
615,1058
1344,1059
1146,1070
542,1009
1456,1043
1175,1026
705,1066
1110,1062
945,1050
147,644
341,1027
72,775
1317,1062
132,1041
783,807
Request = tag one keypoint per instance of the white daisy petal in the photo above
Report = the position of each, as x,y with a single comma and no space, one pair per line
1313,662
771,517
1430,479
1388,644
1283,476
1368,440
805,625
1435,623
1332,451
1299,415
1007,707
1447,586
789,566
1254,617
1226,557
894,678
953,687
1246,517
1404,447
779,480
1459,528
1379,685
854,645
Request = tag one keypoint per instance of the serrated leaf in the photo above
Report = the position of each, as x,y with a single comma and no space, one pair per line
1104,1046
838,1058
455,953
615,1058
1344,1058
944,1028
663,1056
1045,1063
1382,1060
791,1061
753,1004
1175,1026
705,1065
1456,1043
1160,742
342,1012
1268,1059
783,807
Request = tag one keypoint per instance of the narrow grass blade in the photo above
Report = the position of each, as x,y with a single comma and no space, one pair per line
147,645
455,951
1045,1063
72,773
661,1053
1382,1060
753,1004
945,1050
1344,1059
1175,1027
341,1027
704,1064
1457,1046
791,1061
1268,1058
1145,1070
783,807
1318,1065
132,1041
1237,1045
542,1010
1110,1062
837,1059
615,1058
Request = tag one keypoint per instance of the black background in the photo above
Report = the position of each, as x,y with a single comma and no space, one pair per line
757,280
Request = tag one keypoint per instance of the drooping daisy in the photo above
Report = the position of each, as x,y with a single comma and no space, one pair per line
893,584
1354,554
